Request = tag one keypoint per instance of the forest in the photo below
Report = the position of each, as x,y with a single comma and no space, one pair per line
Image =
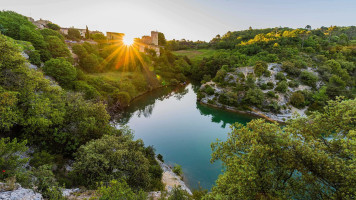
57,99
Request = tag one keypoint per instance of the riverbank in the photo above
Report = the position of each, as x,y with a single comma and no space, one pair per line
252,112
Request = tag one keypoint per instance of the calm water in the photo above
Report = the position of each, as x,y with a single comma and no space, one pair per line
181,130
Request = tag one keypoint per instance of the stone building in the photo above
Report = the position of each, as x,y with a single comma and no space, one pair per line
41,24
64,31
112,36
150,42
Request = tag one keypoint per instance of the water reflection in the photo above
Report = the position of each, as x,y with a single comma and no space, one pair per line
181,129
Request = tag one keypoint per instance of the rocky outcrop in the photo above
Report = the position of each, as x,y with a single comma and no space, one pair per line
18,193
171,180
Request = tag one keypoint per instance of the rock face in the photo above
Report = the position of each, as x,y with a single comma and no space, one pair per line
286,111
19,194
170,179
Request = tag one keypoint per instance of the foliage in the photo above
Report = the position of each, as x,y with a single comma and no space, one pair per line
10,157
309,158
260,68
112,157
179,194
177,169
61,70
297,100
308,78
282,87
53,26
119,190
74,34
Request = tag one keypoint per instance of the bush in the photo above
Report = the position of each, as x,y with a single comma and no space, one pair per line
291,69
282,87
45,179
293,84
270,85
309,78
254,97
179,194
260,68
271,94
297,100
160,157
209,90
41,158
112,157
280,76
177,169
10,157
121,98
53,26
61,70
35,58
119,190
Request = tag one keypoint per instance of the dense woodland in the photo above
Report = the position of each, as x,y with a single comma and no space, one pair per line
56,98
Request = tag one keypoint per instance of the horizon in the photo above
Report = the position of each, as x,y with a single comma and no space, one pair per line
183,19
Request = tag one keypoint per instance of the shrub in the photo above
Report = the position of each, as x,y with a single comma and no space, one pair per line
10,157
291,69
293,84
209,90
179,194
119,190
112,157
271,94
308,78
160,157
282,87
61,70
270,85
41,158
260,68
35,58
177,169
297,100
44,179
280,76
121,98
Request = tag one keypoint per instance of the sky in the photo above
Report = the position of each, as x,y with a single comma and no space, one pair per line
188,19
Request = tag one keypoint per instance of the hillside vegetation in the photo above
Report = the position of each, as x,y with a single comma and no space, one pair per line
277,71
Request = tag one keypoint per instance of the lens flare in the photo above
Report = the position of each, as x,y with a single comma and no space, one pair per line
128,41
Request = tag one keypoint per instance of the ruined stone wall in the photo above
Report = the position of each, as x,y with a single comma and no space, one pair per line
154,36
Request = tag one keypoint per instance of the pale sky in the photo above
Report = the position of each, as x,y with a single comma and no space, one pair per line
189,19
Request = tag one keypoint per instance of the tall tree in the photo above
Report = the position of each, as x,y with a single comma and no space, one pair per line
309,158
87,33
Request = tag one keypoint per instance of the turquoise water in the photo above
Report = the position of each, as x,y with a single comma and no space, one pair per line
182,130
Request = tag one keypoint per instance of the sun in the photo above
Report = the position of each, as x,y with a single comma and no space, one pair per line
128,41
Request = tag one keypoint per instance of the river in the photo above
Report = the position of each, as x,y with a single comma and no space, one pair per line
182,130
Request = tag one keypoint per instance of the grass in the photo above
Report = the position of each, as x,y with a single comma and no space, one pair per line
114,75
194,54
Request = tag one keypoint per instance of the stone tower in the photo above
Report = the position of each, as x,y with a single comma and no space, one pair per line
154,37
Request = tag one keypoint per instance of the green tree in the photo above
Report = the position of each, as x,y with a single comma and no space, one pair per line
161,39
112,157
260,68
308,78
57,47
282,87
297,100
74,34
53,26
87,33
119,190
11,160
308,158
60,69
254,97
